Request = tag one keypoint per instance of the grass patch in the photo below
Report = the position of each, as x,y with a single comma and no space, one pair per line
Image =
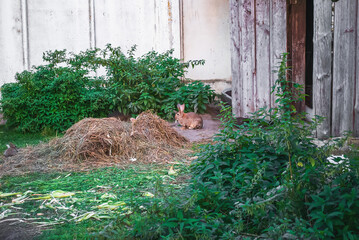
21,139
89,201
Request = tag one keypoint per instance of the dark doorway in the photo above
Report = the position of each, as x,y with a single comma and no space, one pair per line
300,32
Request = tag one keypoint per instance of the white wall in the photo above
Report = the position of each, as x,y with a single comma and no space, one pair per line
57,25
206,35
196,29
11,46
148,24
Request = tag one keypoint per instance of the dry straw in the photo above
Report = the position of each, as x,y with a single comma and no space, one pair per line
96,142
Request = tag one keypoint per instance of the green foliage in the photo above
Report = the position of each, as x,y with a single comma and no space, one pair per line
269,177
152,81
65,90
262,179
52,97
195,96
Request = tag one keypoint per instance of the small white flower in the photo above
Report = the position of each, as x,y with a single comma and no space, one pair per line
332,159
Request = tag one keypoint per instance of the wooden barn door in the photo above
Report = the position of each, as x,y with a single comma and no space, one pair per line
258,37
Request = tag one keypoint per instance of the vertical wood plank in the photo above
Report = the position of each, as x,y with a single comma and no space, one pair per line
262,55
247,55
322,60
278,38
296,36
235,59
344,66
356,94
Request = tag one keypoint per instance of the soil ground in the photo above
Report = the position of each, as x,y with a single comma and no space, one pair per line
15,230
2,121
211,125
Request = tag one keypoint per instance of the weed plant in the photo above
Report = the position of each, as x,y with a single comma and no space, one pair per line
66,89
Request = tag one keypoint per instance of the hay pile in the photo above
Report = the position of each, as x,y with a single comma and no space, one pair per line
103,142
94,139
150,126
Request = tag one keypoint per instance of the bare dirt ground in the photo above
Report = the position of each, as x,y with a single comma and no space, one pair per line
15,230
211,125
2,121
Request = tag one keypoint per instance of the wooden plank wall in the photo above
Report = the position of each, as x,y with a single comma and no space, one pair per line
322,65
257,40
345,73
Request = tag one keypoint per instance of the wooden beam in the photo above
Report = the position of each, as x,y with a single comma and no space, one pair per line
263,69
278,38
235,59
344,64
322,62
247,41
356,94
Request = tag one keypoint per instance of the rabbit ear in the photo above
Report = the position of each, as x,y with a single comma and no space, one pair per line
182,107
179,107
132,120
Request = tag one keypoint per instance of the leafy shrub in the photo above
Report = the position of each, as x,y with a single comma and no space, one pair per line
52,97
195,96
66,89
152,81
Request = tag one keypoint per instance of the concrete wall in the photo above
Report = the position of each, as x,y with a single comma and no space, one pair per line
11,40
196,29
206,35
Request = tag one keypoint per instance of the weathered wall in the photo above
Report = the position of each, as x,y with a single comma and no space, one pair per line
336,91
148,24
30,27
206,35
56,25
258,37
11,40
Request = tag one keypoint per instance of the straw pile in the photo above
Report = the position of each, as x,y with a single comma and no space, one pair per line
149,126
103,142
94,138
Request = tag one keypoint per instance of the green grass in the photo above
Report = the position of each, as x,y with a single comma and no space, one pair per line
21,139
111,186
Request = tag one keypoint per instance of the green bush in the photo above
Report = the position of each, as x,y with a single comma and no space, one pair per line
52,97
153,81
66,89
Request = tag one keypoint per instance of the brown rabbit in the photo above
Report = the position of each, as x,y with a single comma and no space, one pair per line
189,120
11,150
